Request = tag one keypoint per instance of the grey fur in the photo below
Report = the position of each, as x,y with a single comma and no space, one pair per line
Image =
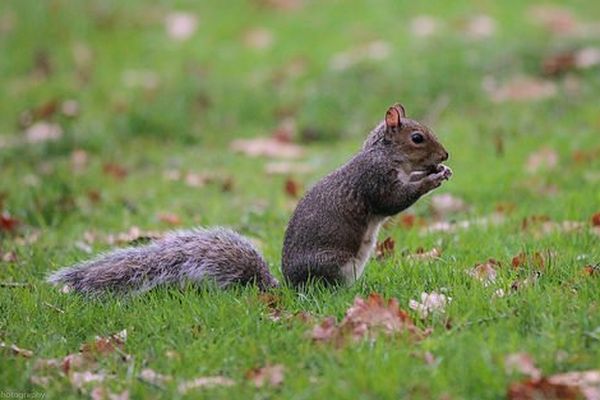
196,255
329,226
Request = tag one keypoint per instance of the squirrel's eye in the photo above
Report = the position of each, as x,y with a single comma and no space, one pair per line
417,137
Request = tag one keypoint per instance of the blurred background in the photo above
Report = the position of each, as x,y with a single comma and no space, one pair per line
118,109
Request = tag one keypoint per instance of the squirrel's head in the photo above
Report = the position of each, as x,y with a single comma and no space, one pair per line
408,141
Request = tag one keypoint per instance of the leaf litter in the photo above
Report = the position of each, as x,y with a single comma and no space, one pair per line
367,319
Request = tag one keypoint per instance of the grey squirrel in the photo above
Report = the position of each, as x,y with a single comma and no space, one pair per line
329,238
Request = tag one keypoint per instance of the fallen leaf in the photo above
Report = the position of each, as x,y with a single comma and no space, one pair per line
591,270
287,168
374,51
366,319
424,26
480,27
154,378
8,223
8,257
104,345
16,350
422,255
115,170
542,159
385,248
536,260
169,218
541,389
596,219
270,374
485,272
523,364
70,108
80,379
43,381
442,205
282,5
557,20
430,303
204,382
43,132
132,236
523,283
292,188
267,147
258,38
569,385
101,393
524,89
79,160
181,26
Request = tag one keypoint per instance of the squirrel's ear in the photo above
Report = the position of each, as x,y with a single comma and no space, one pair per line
394,115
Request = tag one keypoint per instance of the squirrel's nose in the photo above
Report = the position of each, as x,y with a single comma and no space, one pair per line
444,155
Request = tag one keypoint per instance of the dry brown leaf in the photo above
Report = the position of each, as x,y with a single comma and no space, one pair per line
480,27
43,132
422,255
287,168
557,20
545,158
79,160
282,5
181,26
133,235
267,147
70,108
204,382
596,219
485,272
258,38
523,364
375,51
104,345
535,259
16,350
570,385
366,319
442,205
292,188
81,379
169,218
385,248
430,303
8,257
520,89
270,374
101,393
115,170
424,26
154,378
541,389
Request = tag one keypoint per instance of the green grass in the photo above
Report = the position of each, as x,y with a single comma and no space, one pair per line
213,89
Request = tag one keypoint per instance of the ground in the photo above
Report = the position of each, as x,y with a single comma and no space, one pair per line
122,114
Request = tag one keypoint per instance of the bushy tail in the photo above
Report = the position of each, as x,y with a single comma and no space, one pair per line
217,254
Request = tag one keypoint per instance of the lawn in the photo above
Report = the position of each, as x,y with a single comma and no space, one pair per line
116,123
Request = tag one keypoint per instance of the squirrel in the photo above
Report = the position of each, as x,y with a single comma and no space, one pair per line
329,237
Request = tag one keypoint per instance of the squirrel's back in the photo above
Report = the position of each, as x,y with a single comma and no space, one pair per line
218,254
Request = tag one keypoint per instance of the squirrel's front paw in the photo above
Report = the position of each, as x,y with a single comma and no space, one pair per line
444,171
434,180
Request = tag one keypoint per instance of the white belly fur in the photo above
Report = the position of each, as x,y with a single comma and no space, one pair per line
354,268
